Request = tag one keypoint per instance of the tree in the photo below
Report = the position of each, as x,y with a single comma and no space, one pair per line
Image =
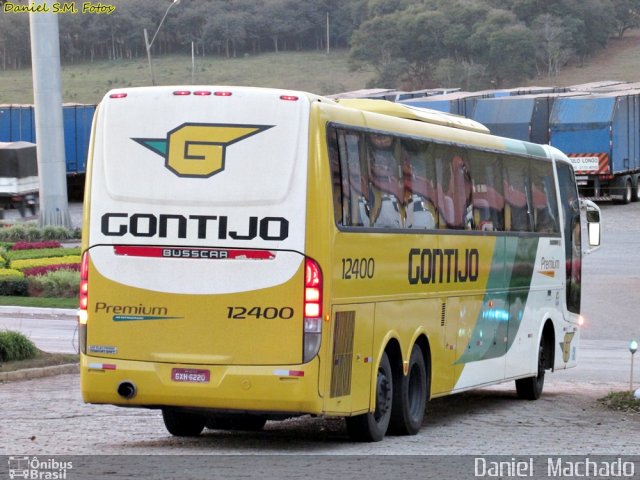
553,44
510,58
626,15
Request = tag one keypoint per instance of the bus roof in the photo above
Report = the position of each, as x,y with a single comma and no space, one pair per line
414,113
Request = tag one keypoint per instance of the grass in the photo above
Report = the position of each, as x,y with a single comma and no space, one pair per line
41,302
43,359
87,83
621,402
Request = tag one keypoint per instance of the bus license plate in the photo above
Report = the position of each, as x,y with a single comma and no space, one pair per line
190,375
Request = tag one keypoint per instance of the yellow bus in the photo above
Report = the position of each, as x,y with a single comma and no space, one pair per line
255,254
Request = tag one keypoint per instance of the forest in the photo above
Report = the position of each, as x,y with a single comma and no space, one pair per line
410,44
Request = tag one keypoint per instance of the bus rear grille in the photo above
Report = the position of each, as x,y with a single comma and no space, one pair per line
342,353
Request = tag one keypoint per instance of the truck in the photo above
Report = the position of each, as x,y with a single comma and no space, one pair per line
600,134
523,117
19,183
17,123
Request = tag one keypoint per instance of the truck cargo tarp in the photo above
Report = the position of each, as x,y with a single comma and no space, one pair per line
18,160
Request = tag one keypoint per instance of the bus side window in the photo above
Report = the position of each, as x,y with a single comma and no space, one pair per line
418,168
386,188
543,198
454,190
340,194
517,195
353,185
572,234
488,200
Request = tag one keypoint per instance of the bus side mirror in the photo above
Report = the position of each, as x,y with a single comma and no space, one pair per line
593,224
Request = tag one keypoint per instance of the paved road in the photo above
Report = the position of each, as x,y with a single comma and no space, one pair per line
567,420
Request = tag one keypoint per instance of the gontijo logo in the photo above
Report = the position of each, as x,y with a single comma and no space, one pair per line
198,150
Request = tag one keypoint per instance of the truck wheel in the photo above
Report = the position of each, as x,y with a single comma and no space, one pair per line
628,192
372,426
635,194
530,388
410,397
183,424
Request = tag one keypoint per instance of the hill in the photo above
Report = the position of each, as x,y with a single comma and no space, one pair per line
311,71
619,61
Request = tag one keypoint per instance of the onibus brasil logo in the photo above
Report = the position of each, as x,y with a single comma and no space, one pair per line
32,467
198,150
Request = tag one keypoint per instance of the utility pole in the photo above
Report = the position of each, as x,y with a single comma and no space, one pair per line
148,44
327,32
47,95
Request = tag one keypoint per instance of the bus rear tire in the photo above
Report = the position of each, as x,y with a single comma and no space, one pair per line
530,388
183,424
372,426
410,397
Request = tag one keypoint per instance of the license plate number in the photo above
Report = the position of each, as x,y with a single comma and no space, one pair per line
190,375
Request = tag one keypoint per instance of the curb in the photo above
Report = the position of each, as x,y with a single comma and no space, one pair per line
35,312
33,373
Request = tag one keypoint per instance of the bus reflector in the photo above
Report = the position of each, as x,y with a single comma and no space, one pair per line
289,373
102,366
291,98
222,94
118,95
182,93
202,93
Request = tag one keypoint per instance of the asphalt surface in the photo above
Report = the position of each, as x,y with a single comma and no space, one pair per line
47,415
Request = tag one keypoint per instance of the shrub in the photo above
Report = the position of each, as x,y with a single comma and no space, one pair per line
14,286
15,346
35,271
42,262
4,258
34,245
62,283
9,272
42,253
58,233
31,233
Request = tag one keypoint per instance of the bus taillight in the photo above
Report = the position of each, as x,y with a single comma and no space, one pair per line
84,281
84,302
312,309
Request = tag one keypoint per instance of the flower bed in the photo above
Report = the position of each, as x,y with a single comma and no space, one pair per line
36,271
13,256
33,245
21,265
34,263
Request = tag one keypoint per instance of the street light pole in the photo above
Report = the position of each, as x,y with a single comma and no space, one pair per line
148,43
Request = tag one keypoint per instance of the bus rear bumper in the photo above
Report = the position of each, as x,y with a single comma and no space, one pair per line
267,389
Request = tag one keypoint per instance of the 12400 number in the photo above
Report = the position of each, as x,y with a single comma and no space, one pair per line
354,268
270,313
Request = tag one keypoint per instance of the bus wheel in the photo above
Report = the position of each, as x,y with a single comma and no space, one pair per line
410,397
183,424
372,426
236,421
530,388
